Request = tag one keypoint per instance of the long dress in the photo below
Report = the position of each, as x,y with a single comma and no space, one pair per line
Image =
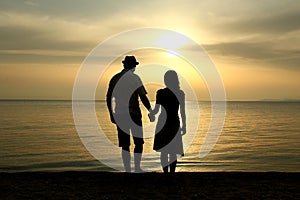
167,134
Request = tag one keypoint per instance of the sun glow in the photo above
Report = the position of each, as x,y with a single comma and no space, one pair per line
153,65
171,41
171,54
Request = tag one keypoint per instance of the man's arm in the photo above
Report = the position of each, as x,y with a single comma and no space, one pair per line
145,101
108,102
142,94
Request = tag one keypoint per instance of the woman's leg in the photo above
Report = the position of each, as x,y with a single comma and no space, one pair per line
173,161
164,161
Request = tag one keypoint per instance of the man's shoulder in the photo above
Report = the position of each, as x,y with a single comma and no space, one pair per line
126,73
134,75
116,77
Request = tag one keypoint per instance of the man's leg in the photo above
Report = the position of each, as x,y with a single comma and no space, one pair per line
124,142
126,159
137,132
138,150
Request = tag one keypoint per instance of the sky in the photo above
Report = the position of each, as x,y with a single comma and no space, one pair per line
254,44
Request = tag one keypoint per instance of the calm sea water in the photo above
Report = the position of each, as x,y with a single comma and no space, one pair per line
257,136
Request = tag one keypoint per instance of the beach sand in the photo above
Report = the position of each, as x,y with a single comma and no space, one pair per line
117,185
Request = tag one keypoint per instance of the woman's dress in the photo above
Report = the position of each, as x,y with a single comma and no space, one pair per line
167,134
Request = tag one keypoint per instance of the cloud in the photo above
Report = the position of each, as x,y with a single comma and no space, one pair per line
245,29
75,10
21,38
30,38
40,57
270,24
235,20
263,52
242,50
31,3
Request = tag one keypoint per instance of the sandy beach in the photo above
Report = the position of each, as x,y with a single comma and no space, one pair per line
182,185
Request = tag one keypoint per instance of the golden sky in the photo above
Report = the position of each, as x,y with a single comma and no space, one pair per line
254,44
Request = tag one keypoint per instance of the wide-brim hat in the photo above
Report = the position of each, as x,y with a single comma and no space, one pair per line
130,60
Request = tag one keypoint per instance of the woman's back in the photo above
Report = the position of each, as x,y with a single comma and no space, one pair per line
169,101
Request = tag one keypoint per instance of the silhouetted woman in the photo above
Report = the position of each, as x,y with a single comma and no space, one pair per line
168,133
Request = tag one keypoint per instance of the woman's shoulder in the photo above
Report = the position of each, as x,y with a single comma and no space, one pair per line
160,91
181,93
166,90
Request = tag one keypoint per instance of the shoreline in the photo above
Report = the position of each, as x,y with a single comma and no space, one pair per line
120,185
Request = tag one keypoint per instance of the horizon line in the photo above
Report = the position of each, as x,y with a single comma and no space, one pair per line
231,100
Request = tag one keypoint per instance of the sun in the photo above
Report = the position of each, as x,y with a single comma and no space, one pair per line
171,41
170,54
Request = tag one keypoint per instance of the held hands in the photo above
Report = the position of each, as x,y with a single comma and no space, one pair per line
151,116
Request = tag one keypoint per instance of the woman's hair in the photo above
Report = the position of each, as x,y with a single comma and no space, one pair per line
171,80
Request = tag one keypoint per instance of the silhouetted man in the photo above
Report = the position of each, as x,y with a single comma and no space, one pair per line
126,88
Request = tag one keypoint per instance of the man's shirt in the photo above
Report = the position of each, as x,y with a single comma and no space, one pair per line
126,87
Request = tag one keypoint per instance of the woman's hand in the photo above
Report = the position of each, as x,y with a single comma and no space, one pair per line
183,130
112,119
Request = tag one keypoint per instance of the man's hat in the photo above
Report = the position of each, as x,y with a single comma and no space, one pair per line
130,60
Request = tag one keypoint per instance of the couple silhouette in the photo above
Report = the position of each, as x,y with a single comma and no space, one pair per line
125,89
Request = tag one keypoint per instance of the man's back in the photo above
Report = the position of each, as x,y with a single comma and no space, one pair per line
126,88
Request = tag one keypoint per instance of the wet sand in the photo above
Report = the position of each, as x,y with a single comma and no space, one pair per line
182,185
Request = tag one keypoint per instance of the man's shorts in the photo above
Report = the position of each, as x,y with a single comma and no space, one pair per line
126,127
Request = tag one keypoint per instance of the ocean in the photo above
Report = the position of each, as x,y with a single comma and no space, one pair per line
257,136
